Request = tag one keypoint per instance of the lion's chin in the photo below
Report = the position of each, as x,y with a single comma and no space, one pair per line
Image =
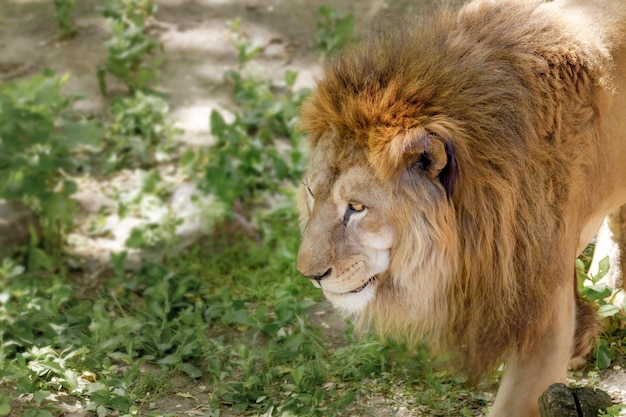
353,302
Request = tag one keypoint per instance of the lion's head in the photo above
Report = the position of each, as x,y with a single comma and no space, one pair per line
362,229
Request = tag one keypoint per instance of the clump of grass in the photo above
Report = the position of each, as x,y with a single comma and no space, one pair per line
64,13
131,49
139,133
261,151
40,147
596,290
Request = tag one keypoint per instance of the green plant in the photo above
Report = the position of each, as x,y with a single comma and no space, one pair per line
334,30
246,50
63,12
593,288
262,147
50,336
139,133
260,151
251,342
40,140
614,411
146,202
131,49
596,290
155,235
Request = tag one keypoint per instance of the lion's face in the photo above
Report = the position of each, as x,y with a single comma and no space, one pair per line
347,235
362,232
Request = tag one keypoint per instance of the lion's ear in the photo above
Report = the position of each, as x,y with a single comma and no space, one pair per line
424,153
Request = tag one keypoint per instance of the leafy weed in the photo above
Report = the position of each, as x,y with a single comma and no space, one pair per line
334,30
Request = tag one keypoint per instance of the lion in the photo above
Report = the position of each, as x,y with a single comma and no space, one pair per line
449,186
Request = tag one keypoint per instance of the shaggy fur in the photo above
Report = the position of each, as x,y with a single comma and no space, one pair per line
482,127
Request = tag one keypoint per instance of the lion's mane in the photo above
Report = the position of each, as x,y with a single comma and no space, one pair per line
495,83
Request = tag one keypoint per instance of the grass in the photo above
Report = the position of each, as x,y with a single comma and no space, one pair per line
237,321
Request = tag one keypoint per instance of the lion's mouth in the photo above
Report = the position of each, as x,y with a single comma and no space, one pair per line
329,289
362,287
353,301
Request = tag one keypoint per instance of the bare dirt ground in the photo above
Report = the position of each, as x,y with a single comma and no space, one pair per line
198,46
198,49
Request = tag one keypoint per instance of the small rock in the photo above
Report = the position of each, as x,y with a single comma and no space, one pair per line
560,401
591,401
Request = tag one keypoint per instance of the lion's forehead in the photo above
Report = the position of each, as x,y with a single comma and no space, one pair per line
353,183
330,166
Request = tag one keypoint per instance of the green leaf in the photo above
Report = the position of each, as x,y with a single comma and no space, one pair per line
603,268
297,374
218,125
36,413
39,396
614,410
597,292
119,403
136,238
39,260
84,133
608,310
169,360
100,396
294,341
191,370
118,261
346,399
604,355
5,407
290,78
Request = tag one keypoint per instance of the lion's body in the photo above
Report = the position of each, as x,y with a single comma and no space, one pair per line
464,161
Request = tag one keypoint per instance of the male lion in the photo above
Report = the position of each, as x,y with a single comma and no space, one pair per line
455,161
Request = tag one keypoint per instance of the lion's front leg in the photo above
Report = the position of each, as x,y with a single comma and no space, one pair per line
527,377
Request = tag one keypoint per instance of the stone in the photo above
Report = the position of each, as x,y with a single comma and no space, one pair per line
591,401
558,401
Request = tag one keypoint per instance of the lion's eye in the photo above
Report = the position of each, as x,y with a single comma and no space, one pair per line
352,208
356,207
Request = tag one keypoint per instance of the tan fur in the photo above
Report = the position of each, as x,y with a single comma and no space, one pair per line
479,135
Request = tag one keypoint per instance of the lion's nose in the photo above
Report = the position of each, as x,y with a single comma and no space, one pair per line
320,277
